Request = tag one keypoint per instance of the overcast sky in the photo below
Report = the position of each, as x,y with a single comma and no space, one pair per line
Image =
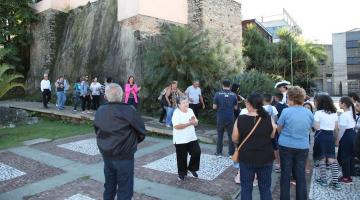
317,18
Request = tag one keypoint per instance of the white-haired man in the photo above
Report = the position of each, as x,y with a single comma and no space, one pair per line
45,87
119,128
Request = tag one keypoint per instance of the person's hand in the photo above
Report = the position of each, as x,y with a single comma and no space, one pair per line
203,106
139,88
337,142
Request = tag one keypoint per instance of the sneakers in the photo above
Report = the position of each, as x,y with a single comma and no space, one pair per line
167,125
321,182
194,174
277,168
347,181
255,183
293,182
237,178
218,154
181,177
335,186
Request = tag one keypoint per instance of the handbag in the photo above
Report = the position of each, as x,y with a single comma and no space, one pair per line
235,156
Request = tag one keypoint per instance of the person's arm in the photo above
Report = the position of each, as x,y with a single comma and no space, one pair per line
42,86
138,125
202,101
182,126
216,101
56,84
274,128
167,94
127,88
235,137
281,121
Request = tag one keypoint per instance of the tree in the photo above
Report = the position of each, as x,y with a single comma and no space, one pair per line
15,35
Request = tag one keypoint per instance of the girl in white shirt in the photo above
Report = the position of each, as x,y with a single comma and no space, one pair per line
184,139
325,122
346,139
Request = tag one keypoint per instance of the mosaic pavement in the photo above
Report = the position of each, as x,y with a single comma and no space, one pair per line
7,172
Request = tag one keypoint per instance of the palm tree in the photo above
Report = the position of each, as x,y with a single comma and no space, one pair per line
8,79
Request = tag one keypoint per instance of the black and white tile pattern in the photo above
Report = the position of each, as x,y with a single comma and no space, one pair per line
88,147
211,166
79,197
7,172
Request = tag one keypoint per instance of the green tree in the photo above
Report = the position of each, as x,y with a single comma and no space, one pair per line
9,79
15,35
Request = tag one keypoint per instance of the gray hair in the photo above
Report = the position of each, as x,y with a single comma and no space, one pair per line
114,92
181,99
196,81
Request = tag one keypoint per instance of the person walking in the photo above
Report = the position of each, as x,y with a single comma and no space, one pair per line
60,93
131,92
77,93
171,95
294,127
95,88
325,123
253,131
185,140
346,139
85,95
225,102
45,87
119,129
195,97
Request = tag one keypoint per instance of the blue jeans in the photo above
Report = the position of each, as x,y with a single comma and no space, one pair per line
119,179
289,158
247,175
221,126
169,114
61,98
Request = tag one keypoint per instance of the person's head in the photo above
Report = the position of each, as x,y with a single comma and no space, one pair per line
226,84
235,88
95,79
282,88
174,85
296,96
109,80
183,103
324,102
254,102
114,93
46,76
308,106
357,107
196,83
61,78
86,78
346,104
267,98
131,80
278,97
354,97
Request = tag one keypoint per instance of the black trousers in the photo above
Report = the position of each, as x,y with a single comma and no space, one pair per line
85,101
182,151
46,96
96,101
163,113
195,108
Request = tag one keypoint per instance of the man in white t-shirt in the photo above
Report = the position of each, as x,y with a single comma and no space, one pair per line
195,97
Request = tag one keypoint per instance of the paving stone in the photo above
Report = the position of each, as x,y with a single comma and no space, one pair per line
7,172
36,141
79,197
27,171
210,165
87,146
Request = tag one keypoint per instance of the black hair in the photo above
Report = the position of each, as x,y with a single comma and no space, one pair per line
354,96
324,102
226,83
267,97
279,95
109,80
78,79
347,101
256,101
130,78
234,88
311,107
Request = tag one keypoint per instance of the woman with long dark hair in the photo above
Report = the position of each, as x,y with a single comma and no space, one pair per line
256,152
325,122
346,139
131,92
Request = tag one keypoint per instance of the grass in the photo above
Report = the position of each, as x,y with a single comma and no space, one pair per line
50,129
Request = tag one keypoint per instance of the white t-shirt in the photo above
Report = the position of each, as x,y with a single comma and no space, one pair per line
284,99
194,94
346,120
271,110
186,135
95,88
244,111
45,84
327,121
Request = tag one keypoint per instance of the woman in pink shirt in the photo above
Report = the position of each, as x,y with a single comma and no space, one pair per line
131,91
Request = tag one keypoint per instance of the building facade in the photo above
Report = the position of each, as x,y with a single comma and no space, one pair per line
259,27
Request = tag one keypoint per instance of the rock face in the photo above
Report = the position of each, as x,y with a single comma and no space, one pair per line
11,117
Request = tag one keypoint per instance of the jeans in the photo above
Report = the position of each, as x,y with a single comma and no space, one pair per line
169,114
119,179
77,101
61,99
131,101
289,158
182,151
263,173
223,125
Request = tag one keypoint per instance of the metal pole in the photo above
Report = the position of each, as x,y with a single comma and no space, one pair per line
291,64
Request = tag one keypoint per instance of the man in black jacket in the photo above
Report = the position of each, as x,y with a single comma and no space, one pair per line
119,128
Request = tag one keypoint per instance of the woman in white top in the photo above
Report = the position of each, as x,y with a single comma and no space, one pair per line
325,122
346,139
95,88
184,139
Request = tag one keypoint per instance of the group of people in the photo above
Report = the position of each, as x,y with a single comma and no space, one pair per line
89,95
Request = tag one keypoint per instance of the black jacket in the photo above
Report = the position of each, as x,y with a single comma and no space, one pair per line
119,128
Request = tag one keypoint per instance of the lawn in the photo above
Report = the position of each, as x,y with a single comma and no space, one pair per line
50,129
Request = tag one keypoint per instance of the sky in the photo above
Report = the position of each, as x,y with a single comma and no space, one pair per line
318,19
